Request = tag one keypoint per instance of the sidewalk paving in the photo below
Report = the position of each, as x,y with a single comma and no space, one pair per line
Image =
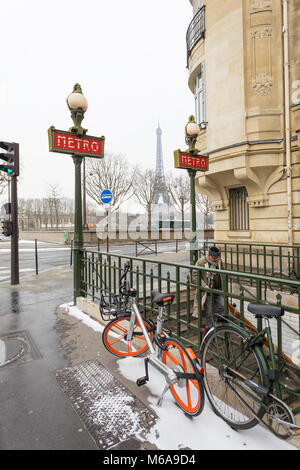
35,412
50,396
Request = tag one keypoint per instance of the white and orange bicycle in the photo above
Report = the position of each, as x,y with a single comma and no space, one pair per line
128,334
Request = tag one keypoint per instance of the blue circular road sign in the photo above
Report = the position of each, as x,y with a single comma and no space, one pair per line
106,196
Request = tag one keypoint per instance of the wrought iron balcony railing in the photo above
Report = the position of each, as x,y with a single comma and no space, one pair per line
196,30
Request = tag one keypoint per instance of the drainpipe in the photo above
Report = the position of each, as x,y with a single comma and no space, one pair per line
288,168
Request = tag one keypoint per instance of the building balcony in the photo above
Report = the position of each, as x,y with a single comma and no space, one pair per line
196,30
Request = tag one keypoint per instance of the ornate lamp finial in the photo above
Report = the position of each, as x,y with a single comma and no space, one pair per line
77,104
192,131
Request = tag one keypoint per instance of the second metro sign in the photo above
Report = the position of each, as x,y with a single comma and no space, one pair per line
67,142
190,161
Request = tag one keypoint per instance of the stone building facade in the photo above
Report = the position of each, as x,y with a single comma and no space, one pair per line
244,70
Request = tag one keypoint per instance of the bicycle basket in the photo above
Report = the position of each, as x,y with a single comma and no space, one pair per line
112,306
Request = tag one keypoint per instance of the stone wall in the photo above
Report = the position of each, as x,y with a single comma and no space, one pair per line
245,135
90,236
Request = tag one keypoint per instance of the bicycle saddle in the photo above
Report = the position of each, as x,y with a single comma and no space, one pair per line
265,310
162,299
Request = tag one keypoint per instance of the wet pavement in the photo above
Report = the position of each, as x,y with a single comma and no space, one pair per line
42,343
50,387
35,414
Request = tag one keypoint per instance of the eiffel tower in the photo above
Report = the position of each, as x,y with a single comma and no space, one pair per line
161,206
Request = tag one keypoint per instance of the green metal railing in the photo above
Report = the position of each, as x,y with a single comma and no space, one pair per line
100,272
275,260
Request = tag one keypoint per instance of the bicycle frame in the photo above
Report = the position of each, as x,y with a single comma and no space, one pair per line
271,373
176,362
154,358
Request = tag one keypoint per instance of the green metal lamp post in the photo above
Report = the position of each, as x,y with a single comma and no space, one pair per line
78,144
191,133
78,105
192,161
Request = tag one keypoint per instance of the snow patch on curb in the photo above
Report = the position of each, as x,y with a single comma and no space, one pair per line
174,430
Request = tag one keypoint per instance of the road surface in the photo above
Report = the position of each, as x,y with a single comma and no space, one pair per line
51,256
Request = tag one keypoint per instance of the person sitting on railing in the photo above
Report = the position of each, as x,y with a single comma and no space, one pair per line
209,279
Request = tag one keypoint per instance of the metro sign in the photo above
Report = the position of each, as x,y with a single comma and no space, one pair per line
67,142
190,161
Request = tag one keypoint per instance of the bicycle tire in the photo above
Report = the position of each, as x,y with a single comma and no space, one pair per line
118,345
248,363
188,393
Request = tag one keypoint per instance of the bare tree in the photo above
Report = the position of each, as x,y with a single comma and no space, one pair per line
203,203
179,188
67,206
54,203
144,187
3,181
35,213
45,209
21,211
37,208
111,172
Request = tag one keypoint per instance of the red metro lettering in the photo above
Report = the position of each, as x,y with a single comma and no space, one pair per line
79,144
193,162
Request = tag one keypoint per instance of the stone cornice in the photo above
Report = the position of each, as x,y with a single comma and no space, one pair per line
273,146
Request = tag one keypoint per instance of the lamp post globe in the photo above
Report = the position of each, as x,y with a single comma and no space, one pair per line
77,104
192,131
192,127
76,99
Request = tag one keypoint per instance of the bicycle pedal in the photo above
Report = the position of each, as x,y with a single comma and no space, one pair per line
167,331
141,381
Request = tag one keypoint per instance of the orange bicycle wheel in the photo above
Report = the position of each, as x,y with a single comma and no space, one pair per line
188,393
114,337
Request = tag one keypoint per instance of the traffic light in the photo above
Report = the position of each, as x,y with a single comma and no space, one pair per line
6,228
6,169
11,157
5,209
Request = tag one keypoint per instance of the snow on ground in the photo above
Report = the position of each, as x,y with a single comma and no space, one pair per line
174,430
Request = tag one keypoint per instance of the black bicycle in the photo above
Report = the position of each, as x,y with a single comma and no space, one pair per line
242,379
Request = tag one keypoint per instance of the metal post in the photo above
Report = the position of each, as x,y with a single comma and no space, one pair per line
36,257
78,236
71,254
287,117
15,233
107,229
193,240
85,226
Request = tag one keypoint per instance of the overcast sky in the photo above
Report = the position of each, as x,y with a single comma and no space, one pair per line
130,59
